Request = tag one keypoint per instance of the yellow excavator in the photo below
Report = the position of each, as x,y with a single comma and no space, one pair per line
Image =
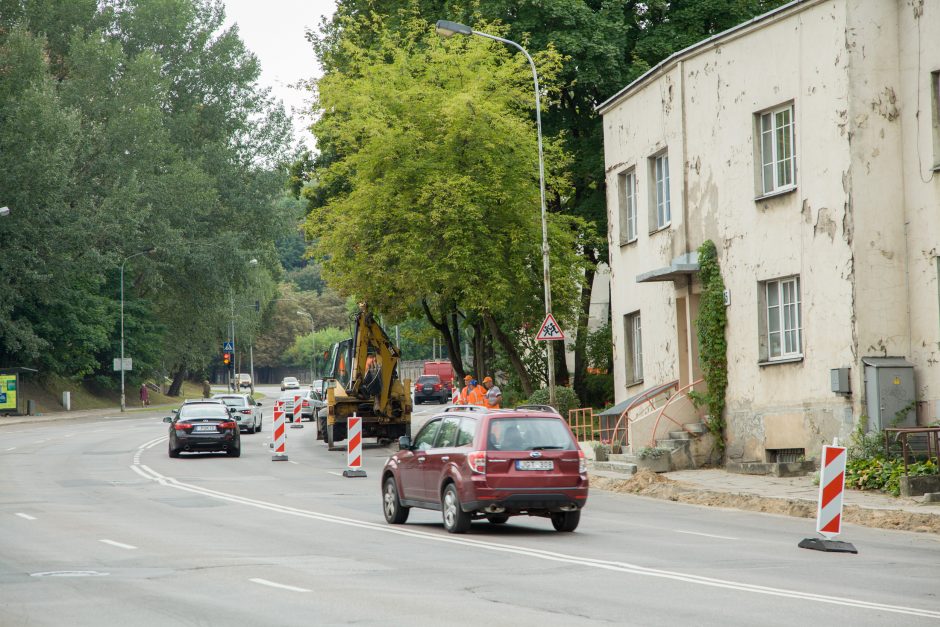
364,381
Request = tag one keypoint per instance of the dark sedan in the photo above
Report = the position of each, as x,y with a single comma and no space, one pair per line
203,427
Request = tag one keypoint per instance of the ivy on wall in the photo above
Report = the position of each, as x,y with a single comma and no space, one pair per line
713,348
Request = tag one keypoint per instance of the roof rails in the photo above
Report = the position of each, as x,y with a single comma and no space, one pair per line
465,408
547,408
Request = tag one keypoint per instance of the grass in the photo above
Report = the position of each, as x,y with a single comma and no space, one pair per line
47,393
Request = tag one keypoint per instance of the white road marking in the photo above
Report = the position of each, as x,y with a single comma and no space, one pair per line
331,472
551,556
705,535
119,545
12,448
290,461
265,582
25,516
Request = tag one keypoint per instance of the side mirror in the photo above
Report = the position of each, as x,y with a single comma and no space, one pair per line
258,403
404,443
168,419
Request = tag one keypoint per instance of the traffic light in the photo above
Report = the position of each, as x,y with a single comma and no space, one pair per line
226,358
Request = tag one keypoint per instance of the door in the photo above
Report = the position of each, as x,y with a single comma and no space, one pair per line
412,463
439,456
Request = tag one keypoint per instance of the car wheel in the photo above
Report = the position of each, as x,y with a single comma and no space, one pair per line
395,512
235,452
259,426
174,453
566,521
497,519
455,519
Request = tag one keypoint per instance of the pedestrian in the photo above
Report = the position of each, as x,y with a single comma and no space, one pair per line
462,397
144,395
494,396
475,394
206,388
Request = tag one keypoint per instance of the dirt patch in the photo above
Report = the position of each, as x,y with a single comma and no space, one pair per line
647,483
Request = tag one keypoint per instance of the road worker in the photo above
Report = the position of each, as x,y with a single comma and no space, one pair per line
494,396
462,397
476,395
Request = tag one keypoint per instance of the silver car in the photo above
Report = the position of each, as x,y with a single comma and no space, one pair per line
244,409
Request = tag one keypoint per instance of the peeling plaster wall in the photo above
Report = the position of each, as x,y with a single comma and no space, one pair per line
919,23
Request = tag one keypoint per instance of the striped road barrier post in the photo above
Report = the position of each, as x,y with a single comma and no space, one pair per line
829,509
354,447
280,434
297,423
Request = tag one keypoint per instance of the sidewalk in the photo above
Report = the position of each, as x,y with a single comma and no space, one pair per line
108,412
793,496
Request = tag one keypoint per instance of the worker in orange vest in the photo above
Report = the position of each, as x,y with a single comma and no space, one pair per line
462,397
493,395
476,395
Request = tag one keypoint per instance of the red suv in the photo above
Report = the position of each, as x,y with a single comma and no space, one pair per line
474,463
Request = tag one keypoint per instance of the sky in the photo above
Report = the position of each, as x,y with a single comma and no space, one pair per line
274,31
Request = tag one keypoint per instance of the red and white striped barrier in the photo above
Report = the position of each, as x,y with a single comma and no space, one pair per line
280,434
298,413
354,447
829,509
831,489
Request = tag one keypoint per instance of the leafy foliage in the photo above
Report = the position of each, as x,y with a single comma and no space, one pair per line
713,347
878,473
565,399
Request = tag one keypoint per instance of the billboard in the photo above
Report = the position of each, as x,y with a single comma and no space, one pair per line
8,392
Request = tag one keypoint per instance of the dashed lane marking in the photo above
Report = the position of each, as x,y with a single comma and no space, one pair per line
273,584
704,535
25,516
120,545
533,553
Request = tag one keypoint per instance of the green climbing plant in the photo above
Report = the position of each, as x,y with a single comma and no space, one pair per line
713,347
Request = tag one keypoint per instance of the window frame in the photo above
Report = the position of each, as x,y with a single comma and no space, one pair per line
762,165
434,421
626,203
935,105
633,347
782,318
660,192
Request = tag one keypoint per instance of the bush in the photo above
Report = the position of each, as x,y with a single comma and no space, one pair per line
598,390
565,399
883,474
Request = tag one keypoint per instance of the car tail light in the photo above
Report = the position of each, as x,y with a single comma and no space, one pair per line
230,424
246,411
437,387
183,426
306,403
582,462
477,462
418,387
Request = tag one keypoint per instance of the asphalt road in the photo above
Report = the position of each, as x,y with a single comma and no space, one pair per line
99,527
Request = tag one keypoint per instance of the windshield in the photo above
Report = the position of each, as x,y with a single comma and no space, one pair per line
203,410
528,434
429,380
234,401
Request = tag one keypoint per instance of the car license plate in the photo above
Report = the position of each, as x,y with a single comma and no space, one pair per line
205,428
535,464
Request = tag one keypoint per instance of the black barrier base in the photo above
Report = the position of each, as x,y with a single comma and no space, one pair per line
354,473
829,546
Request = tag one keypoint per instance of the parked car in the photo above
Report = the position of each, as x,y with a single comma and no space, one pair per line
428,387
243,380
477,463
205,426
312,403
290,383
445,370
247,412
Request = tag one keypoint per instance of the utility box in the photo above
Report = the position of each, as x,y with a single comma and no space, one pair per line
889,392
839,378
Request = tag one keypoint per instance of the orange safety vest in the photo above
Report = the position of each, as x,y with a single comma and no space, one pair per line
477,396
462,397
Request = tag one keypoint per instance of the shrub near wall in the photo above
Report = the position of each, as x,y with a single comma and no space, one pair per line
565,399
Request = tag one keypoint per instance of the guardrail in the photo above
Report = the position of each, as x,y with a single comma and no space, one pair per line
911,450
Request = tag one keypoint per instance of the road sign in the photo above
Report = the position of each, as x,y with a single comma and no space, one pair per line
128,364
550,330
228,346
829,509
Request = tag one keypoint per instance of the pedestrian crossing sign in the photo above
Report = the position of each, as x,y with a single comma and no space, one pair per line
550,330
228,346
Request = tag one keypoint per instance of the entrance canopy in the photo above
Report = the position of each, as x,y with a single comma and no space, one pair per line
681,266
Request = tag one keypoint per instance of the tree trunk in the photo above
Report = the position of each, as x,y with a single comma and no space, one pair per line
451,336
479,350
580,344
503,340
562,375
178,377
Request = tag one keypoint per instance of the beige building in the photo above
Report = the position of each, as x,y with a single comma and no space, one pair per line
806,144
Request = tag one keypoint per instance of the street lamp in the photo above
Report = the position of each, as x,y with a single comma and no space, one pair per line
313,347
233,384
446,28
143,252
4,211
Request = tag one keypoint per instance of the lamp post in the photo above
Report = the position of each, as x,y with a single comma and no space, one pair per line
143,252
313,347
445,28
233,383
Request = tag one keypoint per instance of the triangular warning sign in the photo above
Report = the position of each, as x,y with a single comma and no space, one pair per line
550,330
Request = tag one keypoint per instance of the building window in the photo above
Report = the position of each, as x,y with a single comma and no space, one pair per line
782,322
660,210
776,149
626,190
634,347
935,97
